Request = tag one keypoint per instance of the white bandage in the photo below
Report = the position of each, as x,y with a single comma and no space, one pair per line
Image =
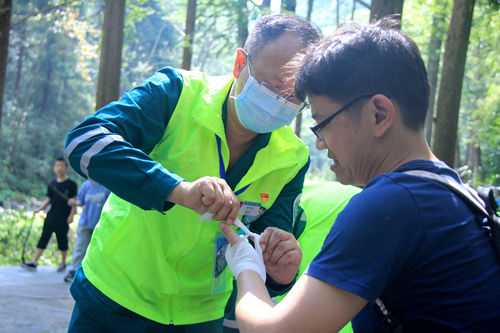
243,256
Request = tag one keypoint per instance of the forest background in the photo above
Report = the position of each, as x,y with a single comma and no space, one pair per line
51,77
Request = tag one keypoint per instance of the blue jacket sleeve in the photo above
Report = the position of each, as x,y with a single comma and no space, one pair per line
112,145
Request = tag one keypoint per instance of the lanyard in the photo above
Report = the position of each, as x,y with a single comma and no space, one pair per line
222,169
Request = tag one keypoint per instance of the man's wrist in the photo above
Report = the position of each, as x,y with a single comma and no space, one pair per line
177,194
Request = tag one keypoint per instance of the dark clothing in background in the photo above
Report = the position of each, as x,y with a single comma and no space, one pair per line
59,209
56,220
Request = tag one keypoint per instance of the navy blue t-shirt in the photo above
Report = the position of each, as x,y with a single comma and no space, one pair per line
416,245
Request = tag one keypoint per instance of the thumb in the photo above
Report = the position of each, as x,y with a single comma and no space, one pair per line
230,234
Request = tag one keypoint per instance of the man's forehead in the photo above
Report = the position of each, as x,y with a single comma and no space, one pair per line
321,105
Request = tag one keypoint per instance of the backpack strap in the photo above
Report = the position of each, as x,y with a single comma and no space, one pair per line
490,222
386,316
464,191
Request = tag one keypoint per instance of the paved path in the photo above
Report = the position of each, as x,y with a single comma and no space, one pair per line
34,301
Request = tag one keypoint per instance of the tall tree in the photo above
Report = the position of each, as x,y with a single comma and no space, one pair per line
434,56
288,6
242,22
5,11
187,53
298,119
310,4
108,82
382,8
450,85
337,12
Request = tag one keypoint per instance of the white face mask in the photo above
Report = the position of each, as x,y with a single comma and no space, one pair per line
261,110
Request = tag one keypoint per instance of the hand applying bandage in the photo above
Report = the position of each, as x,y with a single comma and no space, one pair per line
240,255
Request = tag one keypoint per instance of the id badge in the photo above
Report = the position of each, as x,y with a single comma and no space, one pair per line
250,208
219,276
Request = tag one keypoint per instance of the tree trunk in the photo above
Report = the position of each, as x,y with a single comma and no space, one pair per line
310,4
242,14
457,163
337,12
298,119
382,8
450,85
288,6
434,52
187,53
473,155
20,57
108,82
48,68
5,11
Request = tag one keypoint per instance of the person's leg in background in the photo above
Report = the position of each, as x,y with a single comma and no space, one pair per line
83,236
62,244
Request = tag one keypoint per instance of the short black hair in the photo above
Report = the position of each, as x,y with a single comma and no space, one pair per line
270,27
366,59
61,159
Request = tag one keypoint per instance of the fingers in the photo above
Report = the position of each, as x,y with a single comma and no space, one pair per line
277,245
219,199
207,194
230,234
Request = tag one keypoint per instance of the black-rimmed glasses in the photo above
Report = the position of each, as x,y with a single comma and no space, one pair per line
317,128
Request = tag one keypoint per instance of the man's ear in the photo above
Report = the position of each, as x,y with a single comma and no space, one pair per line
239,62
384,112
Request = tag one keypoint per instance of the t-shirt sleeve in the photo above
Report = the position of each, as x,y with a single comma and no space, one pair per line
374,240
50,194
73,190
81,194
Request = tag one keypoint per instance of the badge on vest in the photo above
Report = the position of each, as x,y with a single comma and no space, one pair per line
219,277
251,211
249,208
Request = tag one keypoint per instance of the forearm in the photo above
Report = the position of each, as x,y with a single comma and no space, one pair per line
141,181
122,134
73,211
254,306
44,205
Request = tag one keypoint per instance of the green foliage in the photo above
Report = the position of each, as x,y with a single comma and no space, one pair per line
480,104
49,89
54,59
15,225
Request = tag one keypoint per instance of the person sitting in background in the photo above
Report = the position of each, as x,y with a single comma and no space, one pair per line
406,253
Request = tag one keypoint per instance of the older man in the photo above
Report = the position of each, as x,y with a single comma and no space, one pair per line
405,241
180,145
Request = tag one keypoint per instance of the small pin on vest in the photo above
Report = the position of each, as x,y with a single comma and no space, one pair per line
264,197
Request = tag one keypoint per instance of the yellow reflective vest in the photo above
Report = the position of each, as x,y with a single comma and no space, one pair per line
161,265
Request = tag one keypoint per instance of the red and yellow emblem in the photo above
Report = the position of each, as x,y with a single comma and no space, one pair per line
264,197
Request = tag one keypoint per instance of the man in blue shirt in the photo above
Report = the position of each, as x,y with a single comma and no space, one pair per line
405,240
92,197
